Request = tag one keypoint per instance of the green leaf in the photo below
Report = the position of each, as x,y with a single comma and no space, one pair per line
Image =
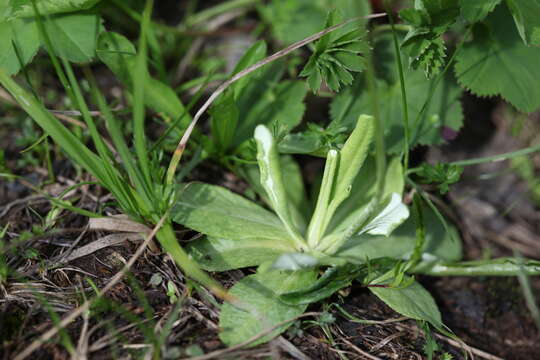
295,261
216,211
224,119
476,10
272,181
412,301
74,36
440,244
119,54
526,15
255,53
498,63
24,8
24,34
220,254
262,308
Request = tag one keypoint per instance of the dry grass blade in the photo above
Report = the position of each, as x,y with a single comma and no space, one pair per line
86,305
281,53
117,224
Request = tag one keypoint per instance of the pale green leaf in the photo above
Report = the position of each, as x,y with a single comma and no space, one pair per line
216,211
272,181
412,301
498,63
295,261
389,218
477,10
526,15
219,254
24,34
261,307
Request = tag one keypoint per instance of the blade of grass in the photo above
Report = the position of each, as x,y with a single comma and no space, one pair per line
140,77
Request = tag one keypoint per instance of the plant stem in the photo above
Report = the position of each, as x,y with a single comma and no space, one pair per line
496,267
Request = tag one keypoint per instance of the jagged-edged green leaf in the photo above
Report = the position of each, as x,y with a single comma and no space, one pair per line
220,254
526,15
119,54
335,55
412,301
262,308
25,36
24,8
444,110
440,244
332,280
216,211
498,63
74,36
477,10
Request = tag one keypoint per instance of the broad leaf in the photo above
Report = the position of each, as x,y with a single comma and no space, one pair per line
498,63
262,308
224,120
295,261
477,10
526,14
219,254
216,211
25,36
412,301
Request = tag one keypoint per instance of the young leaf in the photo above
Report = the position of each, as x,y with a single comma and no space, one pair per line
261,307
271,180
412,301
215,211
498,63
